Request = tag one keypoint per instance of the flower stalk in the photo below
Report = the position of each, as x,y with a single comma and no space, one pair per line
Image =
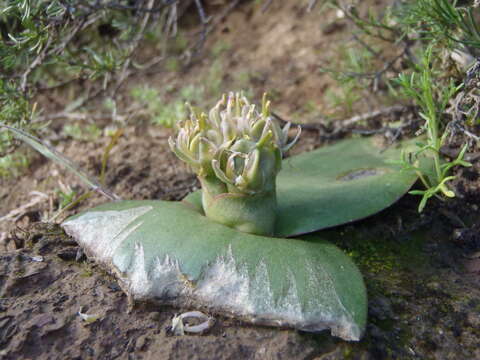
236,152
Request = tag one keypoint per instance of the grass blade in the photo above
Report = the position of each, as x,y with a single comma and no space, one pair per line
49,152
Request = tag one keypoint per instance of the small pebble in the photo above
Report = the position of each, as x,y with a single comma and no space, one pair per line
69,254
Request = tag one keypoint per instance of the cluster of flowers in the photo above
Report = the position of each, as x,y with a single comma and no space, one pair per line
237,144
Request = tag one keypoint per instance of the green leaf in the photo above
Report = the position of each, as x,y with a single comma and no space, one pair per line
335,185
423,202
169,253
417,192
463,163
49,152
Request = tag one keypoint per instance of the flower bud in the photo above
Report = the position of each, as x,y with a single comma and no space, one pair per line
236,152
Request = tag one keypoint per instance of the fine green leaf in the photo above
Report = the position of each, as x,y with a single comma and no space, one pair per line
52,154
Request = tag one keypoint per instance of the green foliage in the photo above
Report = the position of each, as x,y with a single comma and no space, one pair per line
89,132
172,64
354,72
14,109
180,43
442,20
49,43
192,93
374,26
345,98
25,31
242,80
432,98
166,112
101,64
159,110
412,25
220,47
13,164
31,27
424,29
212,83
65,197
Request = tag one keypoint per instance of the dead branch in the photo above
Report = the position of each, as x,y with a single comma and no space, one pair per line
266,5
376,76
208,27
100,5
371,115
352,16
133,46
466,105
47,51
311,5
37,198
343,124
35,63
366,46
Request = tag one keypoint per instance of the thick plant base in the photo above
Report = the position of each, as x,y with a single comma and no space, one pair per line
166,252
250,214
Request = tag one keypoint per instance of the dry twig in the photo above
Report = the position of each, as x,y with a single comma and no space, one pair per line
134,45
371,115
344,124
35,63
311,5
37,198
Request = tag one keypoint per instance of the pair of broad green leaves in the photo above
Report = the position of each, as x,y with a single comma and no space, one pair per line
171,253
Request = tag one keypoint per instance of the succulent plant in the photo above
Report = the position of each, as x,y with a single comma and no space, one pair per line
170,253
236,152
